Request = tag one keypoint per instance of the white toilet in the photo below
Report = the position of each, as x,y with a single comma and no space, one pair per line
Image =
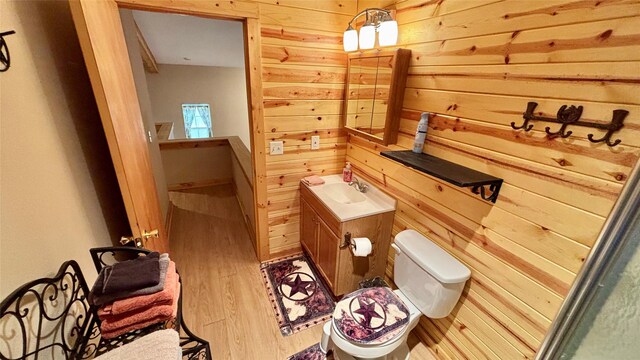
375,323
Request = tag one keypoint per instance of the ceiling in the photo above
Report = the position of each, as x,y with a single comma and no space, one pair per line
174,38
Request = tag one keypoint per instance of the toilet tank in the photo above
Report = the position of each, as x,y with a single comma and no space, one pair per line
427,275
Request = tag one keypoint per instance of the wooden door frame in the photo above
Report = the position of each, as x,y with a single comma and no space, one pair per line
100,28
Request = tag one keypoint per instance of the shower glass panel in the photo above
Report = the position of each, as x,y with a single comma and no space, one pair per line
610,325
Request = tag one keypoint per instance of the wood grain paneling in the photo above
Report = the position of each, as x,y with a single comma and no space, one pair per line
475,65
303,72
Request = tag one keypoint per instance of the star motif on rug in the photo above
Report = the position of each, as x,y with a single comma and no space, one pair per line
368,311
298,285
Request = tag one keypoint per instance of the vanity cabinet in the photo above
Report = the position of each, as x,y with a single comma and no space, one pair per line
322,233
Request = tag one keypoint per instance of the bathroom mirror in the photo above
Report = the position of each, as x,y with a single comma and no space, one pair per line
374,94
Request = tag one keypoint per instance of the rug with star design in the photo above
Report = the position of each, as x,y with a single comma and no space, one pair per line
298,298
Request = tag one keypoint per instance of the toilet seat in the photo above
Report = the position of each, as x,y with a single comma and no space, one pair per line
371,317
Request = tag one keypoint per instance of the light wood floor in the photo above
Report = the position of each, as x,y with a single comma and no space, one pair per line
224,299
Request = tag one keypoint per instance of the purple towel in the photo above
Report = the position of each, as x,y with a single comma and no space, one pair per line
139,273
142,275
97,298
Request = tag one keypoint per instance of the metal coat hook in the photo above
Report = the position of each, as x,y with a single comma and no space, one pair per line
616,123
570,115
565,116
5,57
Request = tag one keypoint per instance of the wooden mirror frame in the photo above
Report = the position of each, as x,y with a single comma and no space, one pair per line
400,61
102,40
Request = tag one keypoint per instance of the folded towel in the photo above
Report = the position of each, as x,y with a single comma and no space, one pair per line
141,272
112,323
143,323
164,296
313,180
159,345
96,297
131,275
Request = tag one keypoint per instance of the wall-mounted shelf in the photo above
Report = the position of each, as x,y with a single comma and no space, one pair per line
450,172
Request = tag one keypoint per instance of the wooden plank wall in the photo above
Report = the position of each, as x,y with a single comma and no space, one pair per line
303,69
476,64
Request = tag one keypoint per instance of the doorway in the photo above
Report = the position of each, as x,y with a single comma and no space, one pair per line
190,79
103,42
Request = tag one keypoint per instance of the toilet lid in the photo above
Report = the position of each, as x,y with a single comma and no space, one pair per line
371,316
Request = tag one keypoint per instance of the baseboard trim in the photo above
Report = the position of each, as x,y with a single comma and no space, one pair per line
199,184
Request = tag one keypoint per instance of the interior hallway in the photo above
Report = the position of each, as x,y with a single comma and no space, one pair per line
224,299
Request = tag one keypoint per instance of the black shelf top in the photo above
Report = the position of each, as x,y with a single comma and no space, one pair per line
442,169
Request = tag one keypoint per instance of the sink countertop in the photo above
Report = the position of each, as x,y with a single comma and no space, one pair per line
376,201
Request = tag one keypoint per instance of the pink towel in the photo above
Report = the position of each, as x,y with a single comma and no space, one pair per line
151,316
313,180
114,322
130,304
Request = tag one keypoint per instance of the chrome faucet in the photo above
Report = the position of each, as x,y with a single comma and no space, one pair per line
358,185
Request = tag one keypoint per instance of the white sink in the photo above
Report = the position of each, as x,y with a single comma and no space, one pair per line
343,193
347,203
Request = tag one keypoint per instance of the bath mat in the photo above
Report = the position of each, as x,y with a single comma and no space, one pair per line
311,353
299,299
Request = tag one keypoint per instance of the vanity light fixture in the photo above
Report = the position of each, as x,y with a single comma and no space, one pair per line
376,20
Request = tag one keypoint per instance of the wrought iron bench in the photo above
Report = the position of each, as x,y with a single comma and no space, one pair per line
51,318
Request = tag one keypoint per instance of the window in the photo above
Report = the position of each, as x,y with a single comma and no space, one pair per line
197,121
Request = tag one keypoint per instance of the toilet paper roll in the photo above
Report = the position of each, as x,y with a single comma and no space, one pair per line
361,246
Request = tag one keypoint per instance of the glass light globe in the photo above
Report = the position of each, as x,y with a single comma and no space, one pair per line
388,33
350,40
367,36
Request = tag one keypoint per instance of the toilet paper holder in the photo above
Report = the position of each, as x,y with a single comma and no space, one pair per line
348,243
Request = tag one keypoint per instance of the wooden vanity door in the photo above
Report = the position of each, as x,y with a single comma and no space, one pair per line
309,229
328,244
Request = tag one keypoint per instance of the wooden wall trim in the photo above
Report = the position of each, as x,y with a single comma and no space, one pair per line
193,143
237,9
148,59
253,66
243,155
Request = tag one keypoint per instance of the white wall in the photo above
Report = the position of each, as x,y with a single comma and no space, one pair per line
128,25
58,191
223,88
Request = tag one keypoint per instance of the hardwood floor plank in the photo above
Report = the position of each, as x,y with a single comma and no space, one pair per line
217,332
